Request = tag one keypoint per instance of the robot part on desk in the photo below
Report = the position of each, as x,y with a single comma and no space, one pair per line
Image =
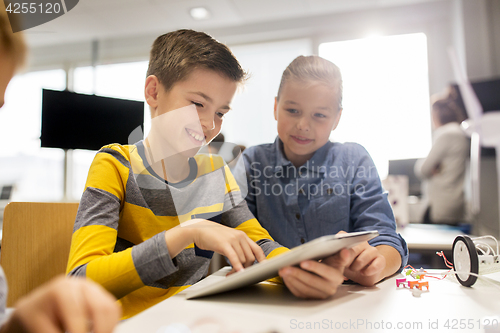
473,257
414,280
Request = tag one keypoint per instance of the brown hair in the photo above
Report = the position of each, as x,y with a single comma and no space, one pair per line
447,111
11,44
313,68
448,107
176,54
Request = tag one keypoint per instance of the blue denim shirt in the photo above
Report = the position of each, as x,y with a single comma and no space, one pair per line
337,189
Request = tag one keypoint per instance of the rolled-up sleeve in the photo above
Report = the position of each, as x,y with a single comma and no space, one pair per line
370,209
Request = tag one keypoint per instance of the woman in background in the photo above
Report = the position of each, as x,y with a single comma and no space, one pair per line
444,168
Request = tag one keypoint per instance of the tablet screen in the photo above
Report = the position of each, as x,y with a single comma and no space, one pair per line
314,250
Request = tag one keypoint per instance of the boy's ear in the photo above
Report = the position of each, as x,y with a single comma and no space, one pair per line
151,89
337,120
275,108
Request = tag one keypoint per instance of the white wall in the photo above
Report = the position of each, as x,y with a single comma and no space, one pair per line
478,50
472,26
494,26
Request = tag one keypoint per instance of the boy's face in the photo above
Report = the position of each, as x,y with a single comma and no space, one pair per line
207,92
306,113
6,73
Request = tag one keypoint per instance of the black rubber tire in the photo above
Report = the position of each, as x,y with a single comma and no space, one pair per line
474,260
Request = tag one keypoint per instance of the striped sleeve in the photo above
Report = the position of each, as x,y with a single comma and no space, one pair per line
95,233
237,215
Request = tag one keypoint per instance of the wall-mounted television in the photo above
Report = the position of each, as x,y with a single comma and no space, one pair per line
488,93
78,121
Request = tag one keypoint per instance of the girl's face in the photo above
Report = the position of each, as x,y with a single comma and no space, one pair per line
307,112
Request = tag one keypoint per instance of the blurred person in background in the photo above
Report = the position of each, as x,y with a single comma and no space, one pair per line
443,170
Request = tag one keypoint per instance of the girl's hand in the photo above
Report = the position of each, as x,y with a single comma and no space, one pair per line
367,265
316,279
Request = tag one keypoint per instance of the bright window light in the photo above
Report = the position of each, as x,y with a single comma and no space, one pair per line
386,95
251,120
35,172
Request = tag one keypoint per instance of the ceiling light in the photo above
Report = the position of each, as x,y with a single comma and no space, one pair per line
199,13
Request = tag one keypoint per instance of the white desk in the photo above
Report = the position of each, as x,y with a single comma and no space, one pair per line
429,237
271,308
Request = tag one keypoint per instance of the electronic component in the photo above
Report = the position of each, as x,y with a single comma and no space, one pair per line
473,257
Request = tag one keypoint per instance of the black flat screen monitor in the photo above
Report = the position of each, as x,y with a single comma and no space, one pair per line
488,93
77,121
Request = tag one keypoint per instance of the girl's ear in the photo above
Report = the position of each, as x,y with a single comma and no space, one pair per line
337,119
275,108
151,90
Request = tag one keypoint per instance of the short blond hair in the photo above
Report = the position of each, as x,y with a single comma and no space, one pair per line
11,44
313,69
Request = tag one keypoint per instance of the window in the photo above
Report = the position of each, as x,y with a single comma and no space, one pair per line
386,95
251,122
35,172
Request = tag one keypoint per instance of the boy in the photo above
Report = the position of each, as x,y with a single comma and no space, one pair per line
62,304
303,186
143,229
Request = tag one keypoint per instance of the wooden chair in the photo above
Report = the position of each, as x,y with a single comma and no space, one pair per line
35,245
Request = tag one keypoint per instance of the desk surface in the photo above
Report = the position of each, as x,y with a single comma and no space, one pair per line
272,308
429,237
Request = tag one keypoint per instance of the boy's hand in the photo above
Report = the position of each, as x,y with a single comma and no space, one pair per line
234,244
316,279
71,305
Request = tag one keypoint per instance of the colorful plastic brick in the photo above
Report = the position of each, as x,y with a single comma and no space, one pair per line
401,282
412,284
422,284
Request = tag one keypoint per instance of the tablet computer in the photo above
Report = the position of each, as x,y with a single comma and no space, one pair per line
314,250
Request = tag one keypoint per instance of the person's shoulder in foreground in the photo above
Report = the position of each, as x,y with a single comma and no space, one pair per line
63,304
303,186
